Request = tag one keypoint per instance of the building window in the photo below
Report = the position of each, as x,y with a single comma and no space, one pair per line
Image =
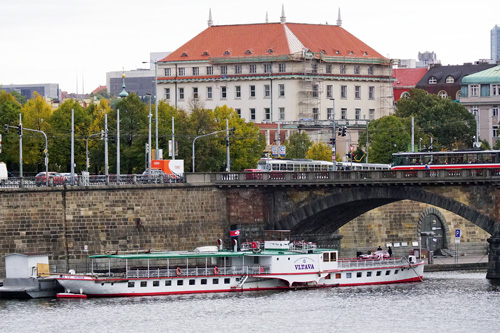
370,70
252,114
281,88
450,79
210,70
329,91
181,93
371,92
253,69
315,113
237,91
238,111
405,94
474,110
267,113
356,69
342,69
443,94
343,91
223,92
495,131
433,80
196,71
267,68
195,92
223,70
315,90
282,68
495,89
168,71
267,91
371,114
329,113
343,113
357,92
167,93
314,68
252,91
209,92
282,113
182,71
237,69
495,110
358,114
328,69
474,90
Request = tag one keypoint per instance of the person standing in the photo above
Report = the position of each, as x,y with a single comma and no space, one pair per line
390,251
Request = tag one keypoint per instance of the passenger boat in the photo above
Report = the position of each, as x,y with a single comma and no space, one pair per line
276,263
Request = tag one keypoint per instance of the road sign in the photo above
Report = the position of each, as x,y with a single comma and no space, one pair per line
351,148
333,157
457,235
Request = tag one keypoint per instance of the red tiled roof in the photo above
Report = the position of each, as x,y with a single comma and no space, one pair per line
96,90
407,77
236,40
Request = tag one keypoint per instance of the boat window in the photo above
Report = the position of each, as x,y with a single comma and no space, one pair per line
203,281
338,275
326,257
168,283
396,271
333,256
368,274
215,281
227,280
255,260
192,282
359,274
131,284
156,283
348,275
379,273
180,282
387,272
144,283
328,277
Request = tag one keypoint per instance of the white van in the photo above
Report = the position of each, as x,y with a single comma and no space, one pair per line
3,173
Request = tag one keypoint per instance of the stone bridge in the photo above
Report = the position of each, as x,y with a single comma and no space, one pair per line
314,205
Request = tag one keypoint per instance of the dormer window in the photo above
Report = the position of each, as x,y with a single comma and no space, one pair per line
337,52
433,80
248,52
205,54
270,51
323,51
365,53
351,53
184,55
227,53
450,79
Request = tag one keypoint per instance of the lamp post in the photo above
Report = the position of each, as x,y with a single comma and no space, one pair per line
156,103
201,136
149,140
334,151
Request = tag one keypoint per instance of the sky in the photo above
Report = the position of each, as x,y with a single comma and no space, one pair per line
75,42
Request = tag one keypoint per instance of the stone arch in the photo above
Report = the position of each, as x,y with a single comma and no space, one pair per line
331,212
440,216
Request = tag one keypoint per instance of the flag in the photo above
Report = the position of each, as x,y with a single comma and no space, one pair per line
234,233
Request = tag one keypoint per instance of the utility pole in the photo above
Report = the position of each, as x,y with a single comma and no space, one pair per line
106,175
72,182
228,169
21,152
118,146
173,139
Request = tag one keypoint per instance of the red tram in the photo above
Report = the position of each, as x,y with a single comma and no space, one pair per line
464,159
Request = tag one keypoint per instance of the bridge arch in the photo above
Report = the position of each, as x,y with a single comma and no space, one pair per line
329,213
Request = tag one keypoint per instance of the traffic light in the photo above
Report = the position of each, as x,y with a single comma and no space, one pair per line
6,129
332,141
344,130
340,131
20,129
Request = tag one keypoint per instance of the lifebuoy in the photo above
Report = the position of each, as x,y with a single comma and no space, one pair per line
216,270
178,271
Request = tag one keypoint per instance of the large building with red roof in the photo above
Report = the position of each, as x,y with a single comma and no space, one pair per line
301,75
406,79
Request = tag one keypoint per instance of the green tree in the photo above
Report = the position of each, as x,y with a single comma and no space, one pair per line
320,152
297,145
447,122
10,109
387,135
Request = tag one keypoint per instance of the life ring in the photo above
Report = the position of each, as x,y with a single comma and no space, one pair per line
216,270
178,271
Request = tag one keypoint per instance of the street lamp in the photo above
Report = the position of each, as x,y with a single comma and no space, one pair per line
156,104
201,136
149,141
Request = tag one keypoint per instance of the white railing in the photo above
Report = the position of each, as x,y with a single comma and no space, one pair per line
369,263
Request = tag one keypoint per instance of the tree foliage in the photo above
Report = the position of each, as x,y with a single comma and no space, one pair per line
297,145
320,152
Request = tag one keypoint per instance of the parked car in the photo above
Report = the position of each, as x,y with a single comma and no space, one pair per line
157,176
67,176
55,178
375,255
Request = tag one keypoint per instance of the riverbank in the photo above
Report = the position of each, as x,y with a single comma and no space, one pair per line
467,262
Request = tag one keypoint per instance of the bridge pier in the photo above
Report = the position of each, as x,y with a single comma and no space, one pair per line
494,257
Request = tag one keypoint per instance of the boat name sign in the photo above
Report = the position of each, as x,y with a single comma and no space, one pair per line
304,264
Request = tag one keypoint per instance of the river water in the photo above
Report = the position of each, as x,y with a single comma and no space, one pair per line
444,302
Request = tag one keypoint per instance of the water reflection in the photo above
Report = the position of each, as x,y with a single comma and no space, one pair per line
445,302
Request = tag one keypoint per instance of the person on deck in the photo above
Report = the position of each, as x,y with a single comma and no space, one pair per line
379,248
389,250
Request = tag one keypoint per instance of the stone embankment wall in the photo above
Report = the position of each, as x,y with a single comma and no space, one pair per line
61,222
